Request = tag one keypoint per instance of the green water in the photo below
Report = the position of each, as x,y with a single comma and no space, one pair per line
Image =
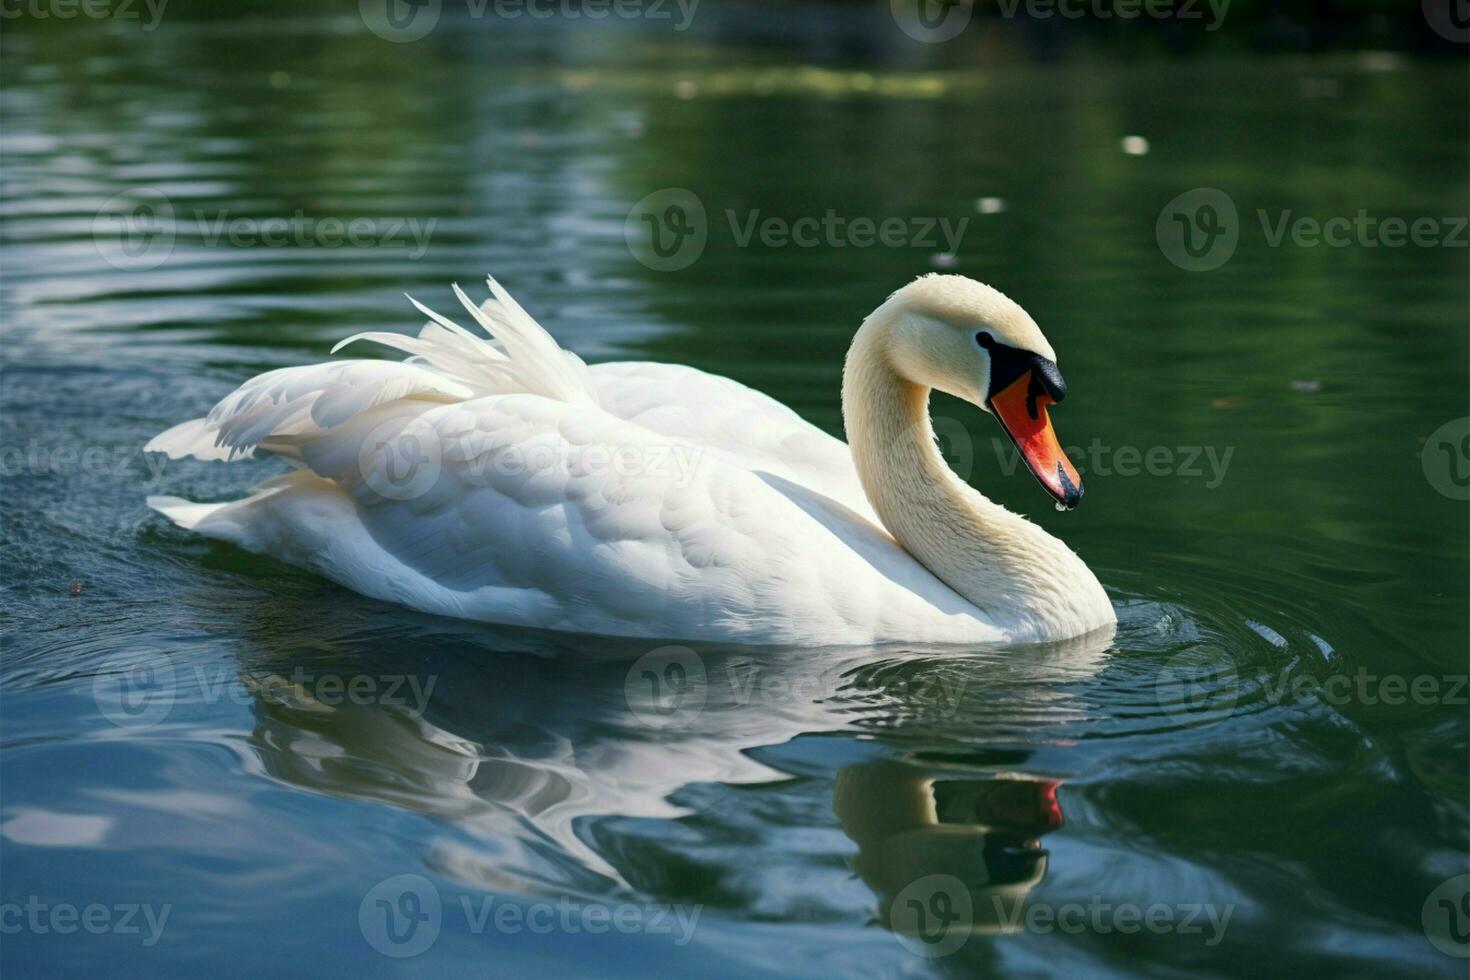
1272,751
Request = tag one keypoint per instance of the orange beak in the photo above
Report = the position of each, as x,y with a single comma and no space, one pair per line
1021,408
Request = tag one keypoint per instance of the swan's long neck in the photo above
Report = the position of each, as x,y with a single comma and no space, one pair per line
1017,574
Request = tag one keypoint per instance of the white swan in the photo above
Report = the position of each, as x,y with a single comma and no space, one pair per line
506,481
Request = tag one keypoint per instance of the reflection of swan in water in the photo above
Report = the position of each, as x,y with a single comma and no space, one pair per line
510,751
941,842
515,744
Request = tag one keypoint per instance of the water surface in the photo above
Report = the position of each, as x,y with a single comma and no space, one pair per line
183,733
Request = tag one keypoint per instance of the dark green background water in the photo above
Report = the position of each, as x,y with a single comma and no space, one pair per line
155,750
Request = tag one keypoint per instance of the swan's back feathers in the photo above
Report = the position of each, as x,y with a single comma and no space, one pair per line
278,410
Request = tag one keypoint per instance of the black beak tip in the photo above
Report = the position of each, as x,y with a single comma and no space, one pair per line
1071,492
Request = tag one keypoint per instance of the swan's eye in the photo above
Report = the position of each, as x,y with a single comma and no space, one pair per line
985,340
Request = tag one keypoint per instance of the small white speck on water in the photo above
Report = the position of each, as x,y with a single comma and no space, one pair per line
1381,60
1135,146
943,260
1318,88
990,205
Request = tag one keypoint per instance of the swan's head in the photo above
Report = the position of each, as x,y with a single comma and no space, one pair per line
973,342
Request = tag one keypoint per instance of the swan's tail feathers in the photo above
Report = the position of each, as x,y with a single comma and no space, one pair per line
284,411
247,522
278,410
519,356
185,513
192,438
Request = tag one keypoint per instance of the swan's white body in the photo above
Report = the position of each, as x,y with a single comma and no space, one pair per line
509,482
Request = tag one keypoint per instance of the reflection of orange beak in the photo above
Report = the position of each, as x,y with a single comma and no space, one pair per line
1051,810
1021,408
